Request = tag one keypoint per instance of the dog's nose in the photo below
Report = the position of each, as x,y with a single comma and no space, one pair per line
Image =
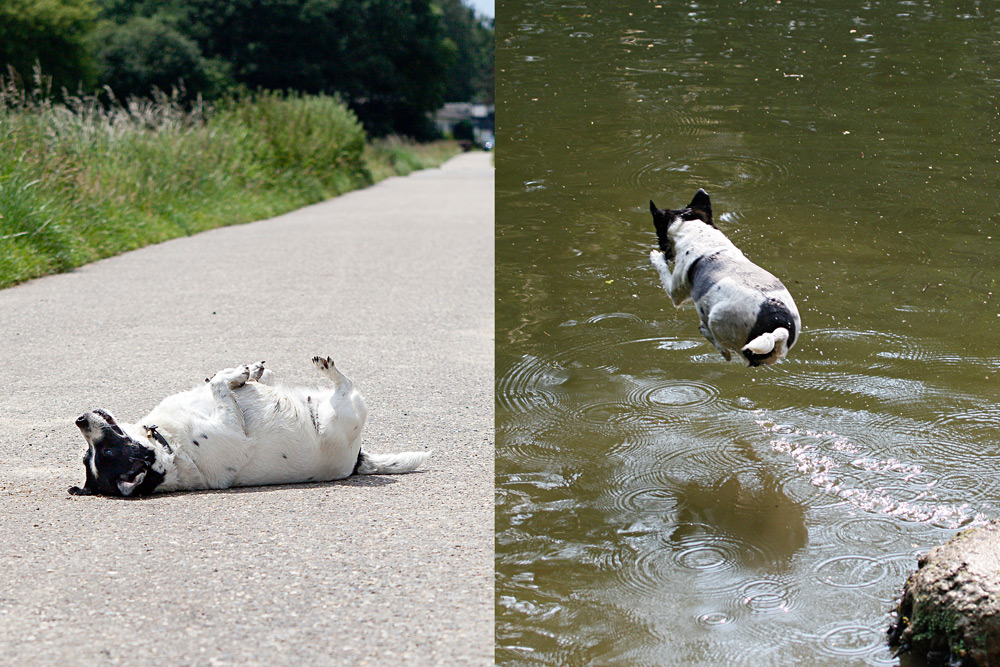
82,420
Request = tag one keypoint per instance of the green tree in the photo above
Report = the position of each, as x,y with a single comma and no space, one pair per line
470,79
145,53
49,33
388,59
395,64
485,82
120,11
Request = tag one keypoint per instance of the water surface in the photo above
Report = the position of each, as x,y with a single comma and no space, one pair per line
656,505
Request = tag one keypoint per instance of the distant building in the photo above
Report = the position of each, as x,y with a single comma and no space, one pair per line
481,116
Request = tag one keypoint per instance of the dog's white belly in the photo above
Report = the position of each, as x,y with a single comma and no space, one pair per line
298,435
290,462
290,436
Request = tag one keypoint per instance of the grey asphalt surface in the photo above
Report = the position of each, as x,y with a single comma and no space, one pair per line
395,282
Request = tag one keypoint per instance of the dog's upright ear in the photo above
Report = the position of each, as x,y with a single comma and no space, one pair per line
662,220
702,203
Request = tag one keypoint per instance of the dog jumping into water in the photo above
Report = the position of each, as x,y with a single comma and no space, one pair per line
742,307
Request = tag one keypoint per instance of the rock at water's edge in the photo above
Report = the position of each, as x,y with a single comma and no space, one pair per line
950,609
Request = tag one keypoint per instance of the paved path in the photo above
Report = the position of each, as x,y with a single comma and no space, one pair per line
396,284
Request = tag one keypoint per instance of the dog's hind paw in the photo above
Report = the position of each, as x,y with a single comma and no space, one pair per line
323,364
256,371
326,367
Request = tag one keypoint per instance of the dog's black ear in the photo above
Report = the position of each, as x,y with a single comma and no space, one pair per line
701,202
652,207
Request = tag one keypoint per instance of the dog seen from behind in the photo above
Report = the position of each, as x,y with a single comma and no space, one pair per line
742,307
241,428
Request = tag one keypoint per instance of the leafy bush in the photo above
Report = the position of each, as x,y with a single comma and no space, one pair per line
314,137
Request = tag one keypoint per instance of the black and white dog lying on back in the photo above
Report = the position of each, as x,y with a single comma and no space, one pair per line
239,429
742,307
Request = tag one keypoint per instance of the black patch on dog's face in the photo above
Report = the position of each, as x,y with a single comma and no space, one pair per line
700,208
115,463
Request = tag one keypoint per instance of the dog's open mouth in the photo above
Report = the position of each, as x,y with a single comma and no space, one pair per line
132,479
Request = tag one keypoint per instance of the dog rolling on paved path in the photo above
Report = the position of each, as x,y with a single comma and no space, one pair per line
742,307
239,429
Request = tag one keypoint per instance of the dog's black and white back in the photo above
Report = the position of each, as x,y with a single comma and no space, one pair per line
742,307
241,428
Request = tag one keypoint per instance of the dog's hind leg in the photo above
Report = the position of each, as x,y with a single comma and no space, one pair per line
341,410
707,333
341,383
227,410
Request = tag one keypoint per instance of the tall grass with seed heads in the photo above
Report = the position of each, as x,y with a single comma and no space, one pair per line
85,178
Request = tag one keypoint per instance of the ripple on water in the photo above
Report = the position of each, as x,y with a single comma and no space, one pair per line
852,640
865,530
605,317
976,489
973,425
676,344
766,596
677,393
853,571
651,569
714,619
731,172
622,410
893,352
644,496
704,551
715,559
529,386
886,390
613,414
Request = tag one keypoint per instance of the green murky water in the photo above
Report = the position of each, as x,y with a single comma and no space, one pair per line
656,505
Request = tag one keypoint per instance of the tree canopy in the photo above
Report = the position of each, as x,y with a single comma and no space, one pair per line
391,61
48,34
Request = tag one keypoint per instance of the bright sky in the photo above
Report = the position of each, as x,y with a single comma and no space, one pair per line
486,7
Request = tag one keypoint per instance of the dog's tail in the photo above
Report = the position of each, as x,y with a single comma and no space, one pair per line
766,343
389,464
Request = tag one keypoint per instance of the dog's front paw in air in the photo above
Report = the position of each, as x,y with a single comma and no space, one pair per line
658,259
233,377
256,371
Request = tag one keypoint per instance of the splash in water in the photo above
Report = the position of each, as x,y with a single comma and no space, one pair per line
888,486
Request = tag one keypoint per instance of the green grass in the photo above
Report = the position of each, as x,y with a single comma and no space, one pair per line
80,181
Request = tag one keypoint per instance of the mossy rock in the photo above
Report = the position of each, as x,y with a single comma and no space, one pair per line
950,610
